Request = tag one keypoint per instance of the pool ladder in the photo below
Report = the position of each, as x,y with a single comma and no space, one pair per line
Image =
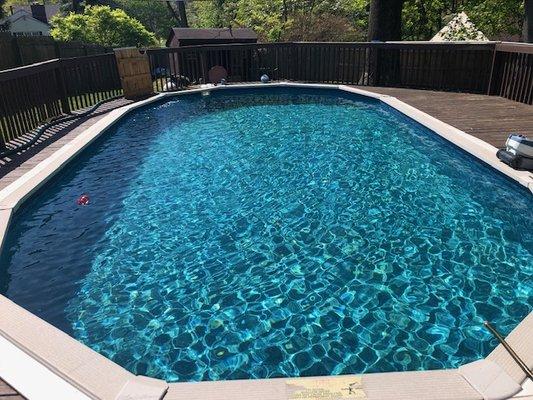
510,350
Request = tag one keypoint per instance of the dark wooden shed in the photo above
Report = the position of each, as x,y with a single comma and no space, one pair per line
179,37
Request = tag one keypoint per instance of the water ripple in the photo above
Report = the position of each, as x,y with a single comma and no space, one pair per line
281,234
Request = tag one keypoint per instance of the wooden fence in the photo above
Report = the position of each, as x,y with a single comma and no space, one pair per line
488,68
32,95
17,51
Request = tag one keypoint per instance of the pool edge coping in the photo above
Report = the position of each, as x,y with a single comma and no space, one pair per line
13,195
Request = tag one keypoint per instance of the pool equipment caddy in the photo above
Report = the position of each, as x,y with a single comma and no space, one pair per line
518,153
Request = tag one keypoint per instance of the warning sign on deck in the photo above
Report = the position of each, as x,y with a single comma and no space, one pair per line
326,388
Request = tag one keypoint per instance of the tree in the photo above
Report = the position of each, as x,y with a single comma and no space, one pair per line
217,13
422,19
153,15
528,21
3,13
180,16
495,18
78,6
278,20
102,25
324,27
385,20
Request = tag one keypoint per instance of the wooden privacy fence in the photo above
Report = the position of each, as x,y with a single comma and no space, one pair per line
17,51
32,95
488,68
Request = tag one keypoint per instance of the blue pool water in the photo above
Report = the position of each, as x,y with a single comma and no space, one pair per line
274,232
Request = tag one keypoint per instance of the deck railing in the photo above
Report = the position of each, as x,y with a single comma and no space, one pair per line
32,95
512,72
489,68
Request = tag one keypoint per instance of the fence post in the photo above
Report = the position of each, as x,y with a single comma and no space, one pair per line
57,50
489,88
203,66
3,131
17,52
63,98
294,62
373,70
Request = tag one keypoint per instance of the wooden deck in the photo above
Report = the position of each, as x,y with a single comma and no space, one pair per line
8,393
488,118
14,166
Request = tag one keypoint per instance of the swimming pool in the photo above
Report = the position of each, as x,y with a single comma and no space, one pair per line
274,232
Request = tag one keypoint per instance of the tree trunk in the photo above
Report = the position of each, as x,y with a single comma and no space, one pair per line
527,31
220,19
385,21
181,15
76,6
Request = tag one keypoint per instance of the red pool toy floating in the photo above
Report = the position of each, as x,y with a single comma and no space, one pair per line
83,200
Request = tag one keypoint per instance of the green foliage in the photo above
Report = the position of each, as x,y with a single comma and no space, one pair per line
68,5
266,18
278,20
320,20
5,4
102,25
3,26
494,17
154,15
3,12
330,27
422,19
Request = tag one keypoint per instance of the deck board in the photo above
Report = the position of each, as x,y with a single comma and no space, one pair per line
488,118
8,393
